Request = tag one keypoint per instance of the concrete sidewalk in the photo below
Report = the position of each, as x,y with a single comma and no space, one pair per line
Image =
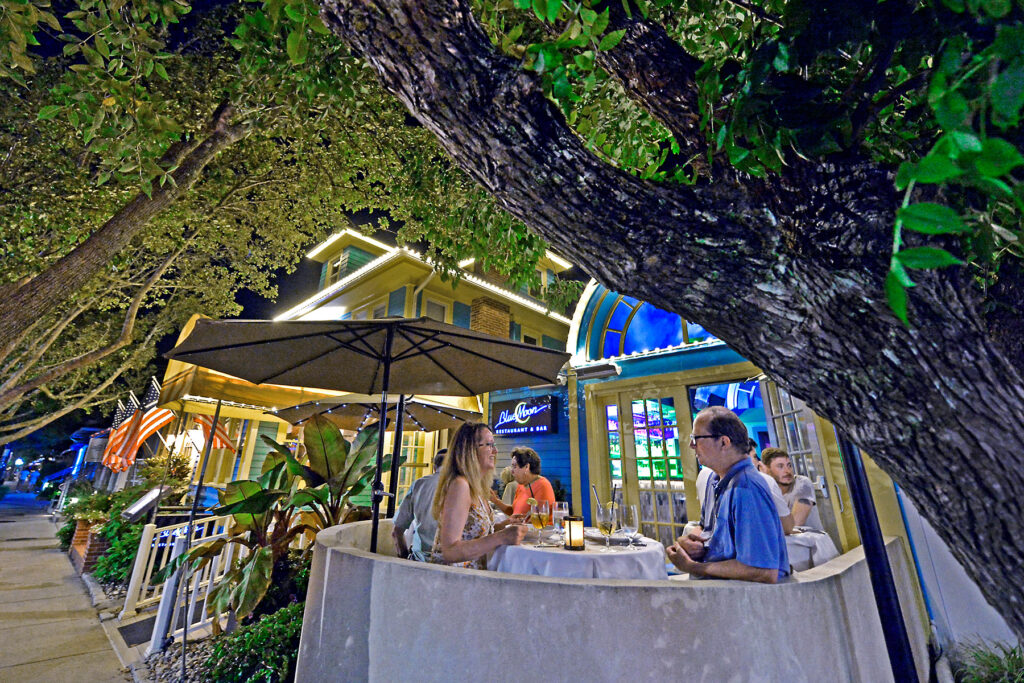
49,630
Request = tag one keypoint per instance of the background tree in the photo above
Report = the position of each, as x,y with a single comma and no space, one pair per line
771,211
81,163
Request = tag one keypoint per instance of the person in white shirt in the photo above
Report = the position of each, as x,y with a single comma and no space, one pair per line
414,513
797,490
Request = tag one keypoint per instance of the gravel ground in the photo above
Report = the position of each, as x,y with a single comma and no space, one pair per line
114,590
166,667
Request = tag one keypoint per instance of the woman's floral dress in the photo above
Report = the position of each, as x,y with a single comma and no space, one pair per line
479,523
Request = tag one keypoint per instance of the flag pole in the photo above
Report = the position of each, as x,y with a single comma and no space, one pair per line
191,526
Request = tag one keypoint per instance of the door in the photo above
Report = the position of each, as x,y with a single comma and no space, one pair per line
650,462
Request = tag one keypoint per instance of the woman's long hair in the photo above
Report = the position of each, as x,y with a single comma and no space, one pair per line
462,462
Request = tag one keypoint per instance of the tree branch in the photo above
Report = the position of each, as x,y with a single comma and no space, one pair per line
123,339
20,306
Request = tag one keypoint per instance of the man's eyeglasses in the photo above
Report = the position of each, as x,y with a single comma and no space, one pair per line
695,438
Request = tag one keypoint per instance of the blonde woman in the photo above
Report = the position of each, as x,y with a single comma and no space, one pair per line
466,531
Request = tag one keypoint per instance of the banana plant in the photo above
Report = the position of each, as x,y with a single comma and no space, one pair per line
292,496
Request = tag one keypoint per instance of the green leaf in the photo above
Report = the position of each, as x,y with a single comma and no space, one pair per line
998,157
931,218
896,295
996,8
254,582
1008,91
326,448
951,110
927,257
298,46
900,272
256,504
936,168
553,7
236,491
48,112
610,40
161,71
966,141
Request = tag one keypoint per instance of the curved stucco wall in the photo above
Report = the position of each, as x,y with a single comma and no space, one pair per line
378,618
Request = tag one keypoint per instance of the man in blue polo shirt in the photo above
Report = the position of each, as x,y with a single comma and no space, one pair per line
747,542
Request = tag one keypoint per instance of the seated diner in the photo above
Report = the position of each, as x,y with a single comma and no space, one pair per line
466,530
526,472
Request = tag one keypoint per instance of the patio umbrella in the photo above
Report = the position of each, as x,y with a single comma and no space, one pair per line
356,411
401,355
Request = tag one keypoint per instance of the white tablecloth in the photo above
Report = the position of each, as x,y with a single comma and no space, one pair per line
620,562
810,549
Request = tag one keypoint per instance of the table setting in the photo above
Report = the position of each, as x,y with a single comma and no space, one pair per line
612,550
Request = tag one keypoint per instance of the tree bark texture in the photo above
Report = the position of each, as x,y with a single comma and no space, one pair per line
21,305
789,270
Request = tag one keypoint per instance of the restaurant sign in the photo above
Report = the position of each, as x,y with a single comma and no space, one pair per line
527,416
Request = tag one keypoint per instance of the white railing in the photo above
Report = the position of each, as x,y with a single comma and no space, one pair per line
155,551
185,604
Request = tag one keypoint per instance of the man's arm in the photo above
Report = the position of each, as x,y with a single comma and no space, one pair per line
804,501
725,569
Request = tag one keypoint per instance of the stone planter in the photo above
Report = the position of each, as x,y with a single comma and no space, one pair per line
86,546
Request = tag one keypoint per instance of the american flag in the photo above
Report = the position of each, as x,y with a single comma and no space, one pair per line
221,439
143,420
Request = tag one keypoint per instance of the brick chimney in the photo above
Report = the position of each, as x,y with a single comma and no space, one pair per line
490,316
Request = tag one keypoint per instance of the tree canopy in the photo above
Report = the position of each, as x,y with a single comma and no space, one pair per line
132,195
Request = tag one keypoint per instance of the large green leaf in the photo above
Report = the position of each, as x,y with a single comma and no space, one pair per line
326,448
364,449
256,504
931,218
254,581
195,558
927,257
237,491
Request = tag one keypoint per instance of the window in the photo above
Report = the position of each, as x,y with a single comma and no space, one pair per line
380,311
435,310
361,314
527,339
334,271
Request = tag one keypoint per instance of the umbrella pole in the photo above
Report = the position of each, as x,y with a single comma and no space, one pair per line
191,528
378,489
393,481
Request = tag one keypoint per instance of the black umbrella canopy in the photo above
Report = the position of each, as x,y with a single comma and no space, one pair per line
354,412
425,356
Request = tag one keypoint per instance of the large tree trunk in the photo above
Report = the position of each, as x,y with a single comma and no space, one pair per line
21,304
788,271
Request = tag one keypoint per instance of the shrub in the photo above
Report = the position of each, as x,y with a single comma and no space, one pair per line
3,492
115,565
264,651
982,664
66,533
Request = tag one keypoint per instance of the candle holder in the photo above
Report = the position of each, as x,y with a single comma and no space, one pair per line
574,533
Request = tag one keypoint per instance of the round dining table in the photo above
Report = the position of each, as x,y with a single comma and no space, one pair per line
620,562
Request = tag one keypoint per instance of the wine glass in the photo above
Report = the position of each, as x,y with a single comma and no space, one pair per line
605,517
629,522
540,517
558,515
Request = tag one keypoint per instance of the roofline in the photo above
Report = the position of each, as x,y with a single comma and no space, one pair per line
393,253
318,249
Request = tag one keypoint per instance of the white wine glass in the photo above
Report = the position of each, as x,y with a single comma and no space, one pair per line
629,522
540,517
605,516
